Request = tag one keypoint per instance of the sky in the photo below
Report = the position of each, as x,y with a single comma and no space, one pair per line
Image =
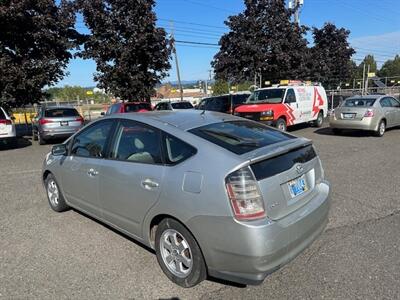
374,26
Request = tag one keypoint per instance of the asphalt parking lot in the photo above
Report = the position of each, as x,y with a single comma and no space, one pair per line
44,254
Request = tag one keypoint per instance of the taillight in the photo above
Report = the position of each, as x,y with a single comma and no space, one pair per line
369,113
5,122
80,119
244,194
45,121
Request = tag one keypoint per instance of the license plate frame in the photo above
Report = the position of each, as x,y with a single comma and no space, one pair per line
348,116
64,123
297,186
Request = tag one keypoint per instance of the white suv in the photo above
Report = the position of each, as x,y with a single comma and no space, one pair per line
7,128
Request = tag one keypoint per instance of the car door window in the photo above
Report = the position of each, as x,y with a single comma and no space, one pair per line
394,102
176,150
290,96
136,142
385,102
92,141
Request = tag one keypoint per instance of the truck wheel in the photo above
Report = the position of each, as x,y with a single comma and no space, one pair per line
281,124
178,254
320,120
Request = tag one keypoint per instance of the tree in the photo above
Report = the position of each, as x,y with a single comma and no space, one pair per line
263,40
220,87
131,53
35,39
331,56
391,67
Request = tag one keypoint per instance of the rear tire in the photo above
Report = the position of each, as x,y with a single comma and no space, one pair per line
281,124
381,129
40,139
319,121
178,254
54,195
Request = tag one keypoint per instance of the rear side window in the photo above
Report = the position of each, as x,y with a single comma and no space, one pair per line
176,150
61,113
239,99
240,136
182,105
394,102
137,106
137,142
359,102
2,115
92,141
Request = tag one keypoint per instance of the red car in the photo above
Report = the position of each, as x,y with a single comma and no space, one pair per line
128,107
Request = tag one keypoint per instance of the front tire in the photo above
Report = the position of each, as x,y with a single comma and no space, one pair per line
281,124
381,129
54,195
178,254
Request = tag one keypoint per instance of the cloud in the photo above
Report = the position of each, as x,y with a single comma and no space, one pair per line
383,47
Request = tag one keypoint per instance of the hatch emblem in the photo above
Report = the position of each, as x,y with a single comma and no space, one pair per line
299,169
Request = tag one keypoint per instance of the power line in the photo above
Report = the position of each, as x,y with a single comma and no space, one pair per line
191,23
196,43
209,6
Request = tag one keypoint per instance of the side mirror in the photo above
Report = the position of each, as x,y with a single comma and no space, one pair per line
59,150
103,113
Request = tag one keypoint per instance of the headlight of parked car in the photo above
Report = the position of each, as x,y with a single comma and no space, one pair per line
267,113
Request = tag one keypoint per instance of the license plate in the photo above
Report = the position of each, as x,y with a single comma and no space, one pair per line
297,186
348,116
64,123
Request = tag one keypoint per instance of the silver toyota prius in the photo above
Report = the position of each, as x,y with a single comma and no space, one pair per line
213,194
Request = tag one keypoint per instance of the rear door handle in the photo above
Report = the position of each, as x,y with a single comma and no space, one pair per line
149,184
92,172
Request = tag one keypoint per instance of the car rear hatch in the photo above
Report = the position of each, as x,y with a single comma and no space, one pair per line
287,175
62,120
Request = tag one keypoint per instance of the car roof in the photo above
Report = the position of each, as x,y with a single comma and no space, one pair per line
184,120
366,96
58,107
134,102
174,101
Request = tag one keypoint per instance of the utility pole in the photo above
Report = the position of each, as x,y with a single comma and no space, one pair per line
296,5
176,60
363,81
366,80
209,80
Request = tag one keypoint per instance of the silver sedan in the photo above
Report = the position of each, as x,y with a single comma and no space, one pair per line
212,194
372,113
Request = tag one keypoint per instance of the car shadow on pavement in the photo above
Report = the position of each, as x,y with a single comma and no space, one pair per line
21,142
344,133
212,279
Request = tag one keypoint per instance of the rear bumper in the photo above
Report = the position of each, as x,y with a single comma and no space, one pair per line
364,124
49,134
248,252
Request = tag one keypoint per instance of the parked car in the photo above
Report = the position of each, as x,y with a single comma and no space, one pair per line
7,128
286,105
259,201
373,113
128,107
225,103
55,122
173,105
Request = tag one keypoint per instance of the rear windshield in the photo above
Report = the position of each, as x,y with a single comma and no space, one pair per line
358,102
2,115
61,113
182,105
240,136
133,107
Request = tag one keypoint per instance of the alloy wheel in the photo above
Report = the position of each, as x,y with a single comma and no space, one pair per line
53,193
176,253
